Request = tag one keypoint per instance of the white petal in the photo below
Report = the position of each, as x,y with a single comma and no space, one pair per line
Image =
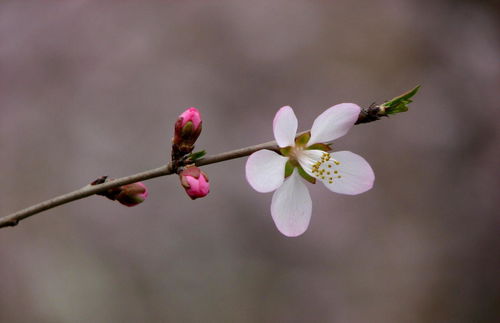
285,127
334,123
265,170
356,175
291,206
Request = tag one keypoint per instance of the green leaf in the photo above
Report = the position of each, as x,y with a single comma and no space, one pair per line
399,103
197,155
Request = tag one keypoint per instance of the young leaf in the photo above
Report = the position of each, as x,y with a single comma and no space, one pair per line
399,103
197,155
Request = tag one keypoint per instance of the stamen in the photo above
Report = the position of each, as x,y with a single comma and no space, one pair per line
319,166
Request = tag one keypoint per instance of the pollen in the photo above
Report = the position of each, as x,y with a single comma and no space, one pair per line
320,168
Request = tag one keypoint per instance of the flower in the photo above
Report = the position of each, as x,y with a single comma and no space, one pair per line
307,156
195,182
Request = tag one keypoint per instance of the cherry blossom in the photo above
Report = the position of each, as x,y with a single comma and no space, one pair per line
307,157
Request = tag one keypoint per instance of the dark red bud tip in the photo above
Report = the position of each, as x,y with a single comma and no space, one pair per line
110,193
132,194
99,180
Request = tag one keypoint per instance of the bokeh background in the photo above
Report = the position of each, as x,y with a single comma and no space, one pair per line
91,88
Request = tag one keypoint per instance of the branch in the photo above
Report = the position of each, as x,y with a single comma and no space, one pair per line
372,113
88,190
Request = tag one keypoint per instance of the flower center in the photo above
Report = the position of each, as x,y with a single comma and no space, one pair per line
320,165
295,152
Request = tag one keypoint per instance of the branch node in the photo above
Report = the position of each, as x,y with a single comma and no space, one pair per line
12,223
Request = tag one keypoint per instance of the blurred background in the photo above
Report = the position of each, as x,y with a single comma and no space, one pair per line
91,88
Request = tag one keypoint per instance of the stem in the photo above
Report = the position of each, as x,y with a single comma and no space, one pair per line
372,113
88,190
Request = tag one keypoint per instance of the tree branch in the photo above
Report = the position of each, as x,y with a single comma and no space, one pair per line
369,114
88,190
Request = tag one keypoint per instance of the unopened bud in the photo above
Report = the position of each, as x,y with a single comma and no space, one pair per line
187,130
132,194
129,195
195,182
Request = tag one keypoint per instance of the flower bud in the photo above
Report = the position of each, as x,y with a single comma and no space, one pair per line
132,194
187,130
195,182
129,195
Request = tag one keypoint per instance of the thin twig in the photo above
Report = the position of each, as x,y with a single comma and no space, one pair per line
372,113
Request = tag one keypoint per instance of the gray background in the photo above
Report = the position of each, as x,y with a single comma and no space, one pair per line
90,88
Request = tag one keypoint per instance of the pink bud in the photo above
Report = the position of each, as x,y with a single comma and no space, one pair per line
191,114
195,182
187,130
132,194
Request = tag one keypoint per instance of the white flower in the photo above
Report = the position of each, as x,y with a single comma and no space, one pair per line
307,156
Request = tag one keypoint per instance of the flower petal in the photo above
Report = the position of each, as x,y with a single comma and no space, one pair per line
265,170
291,206
354,174
285,127
334,123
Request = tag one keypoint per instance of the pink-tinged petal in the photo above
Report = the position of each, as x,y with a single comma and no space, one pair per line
285,127
265,170
351,174
334,123
291,206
